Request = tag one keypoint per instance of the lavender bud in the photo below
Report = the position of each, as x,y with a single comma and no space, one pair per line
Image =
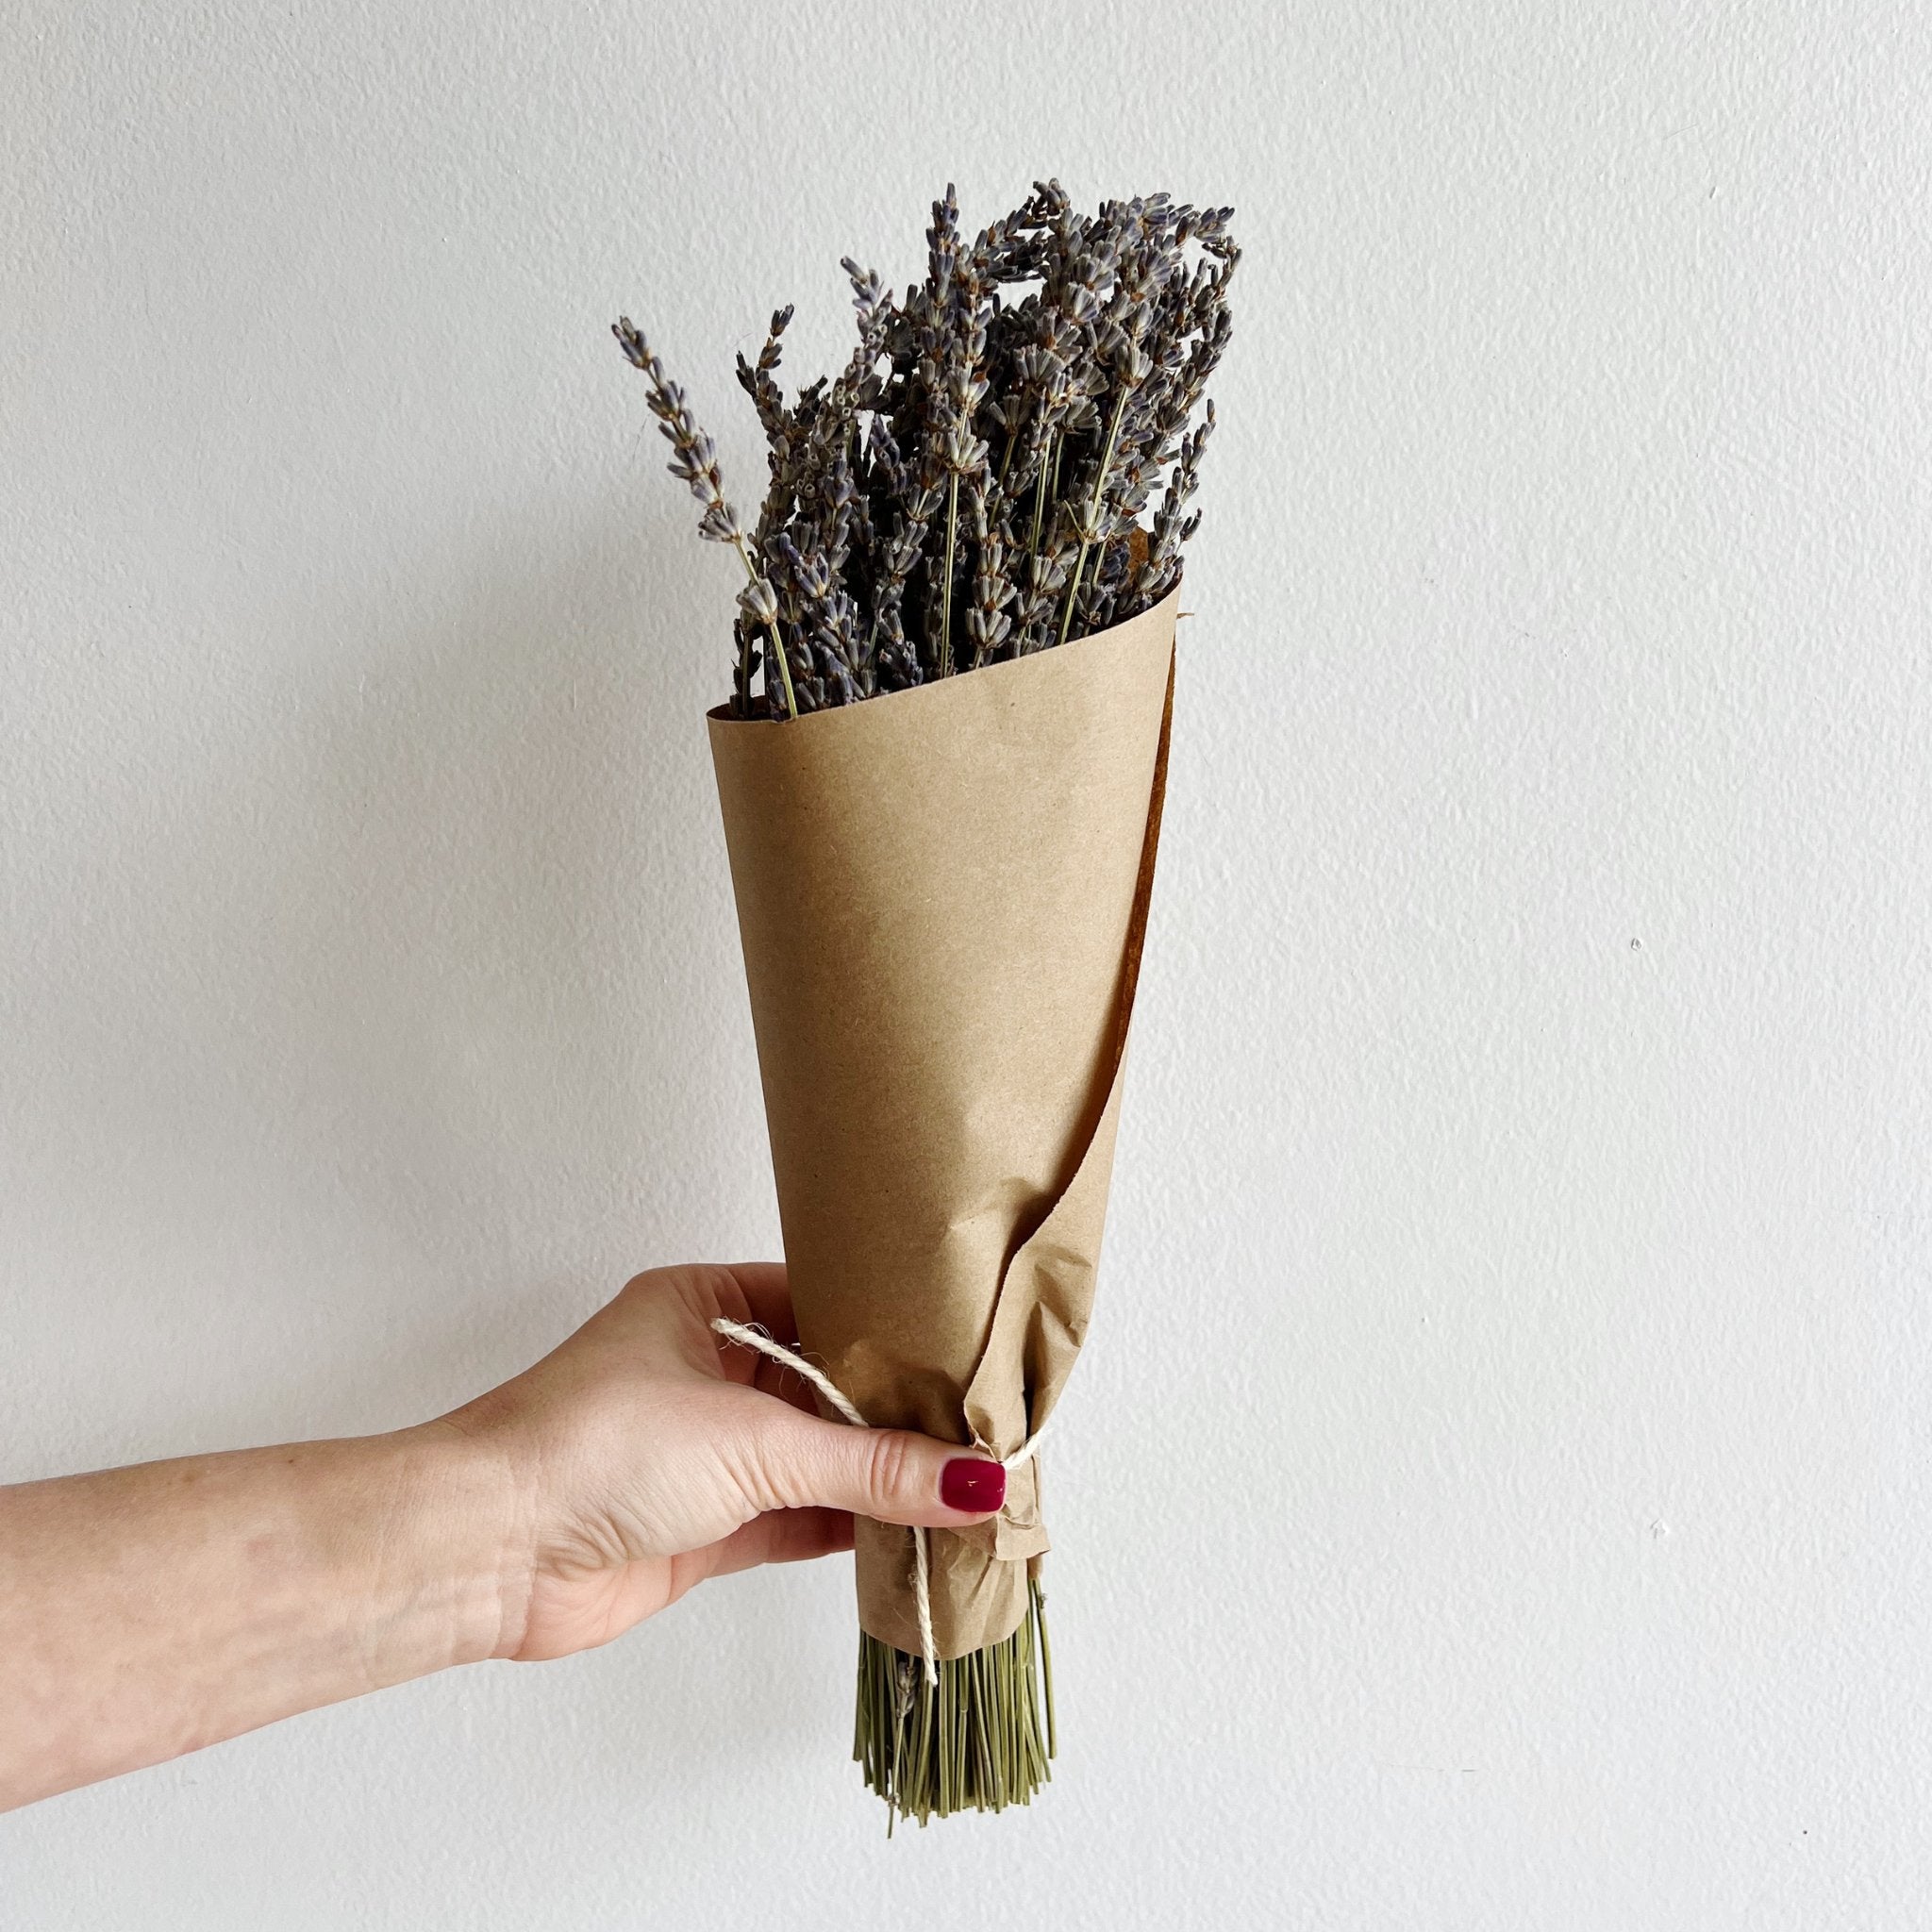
759,602
719,525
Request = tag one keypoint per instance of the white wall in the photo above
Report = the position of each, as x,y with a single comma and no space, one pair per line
1495,1492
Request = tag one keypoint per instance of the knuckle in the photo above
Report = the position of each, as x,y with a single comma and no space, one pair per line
766,1486
888,1466
759,1476
768,1469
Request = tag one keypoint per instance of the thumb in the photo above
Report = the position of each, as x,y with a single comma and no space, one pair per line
892,1475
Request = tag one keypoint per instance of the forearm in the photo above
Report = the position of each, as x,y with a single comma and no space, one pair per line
148,1611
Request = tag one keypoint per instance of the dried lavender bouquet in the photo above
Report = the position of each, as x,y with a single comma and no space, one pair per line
942,898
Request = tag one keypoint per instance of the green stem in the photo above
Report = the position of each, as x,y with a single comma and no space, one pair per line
784,672
1037,1598
1120,410
777,642
947,588
976,1740
1039,489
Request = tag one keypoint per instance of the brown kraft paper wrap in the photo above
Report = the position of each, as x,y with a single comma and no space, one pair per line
941,894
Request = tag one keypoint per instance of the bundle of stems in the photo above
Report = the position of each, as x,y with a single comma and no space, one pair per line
979,1739
971,485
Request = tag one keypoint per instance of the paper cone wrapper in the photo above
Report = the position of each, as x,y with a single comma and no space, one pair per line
941,894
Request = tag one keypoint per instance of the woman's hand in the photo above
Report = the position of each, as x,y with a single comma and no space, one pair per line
150,1610
646,1455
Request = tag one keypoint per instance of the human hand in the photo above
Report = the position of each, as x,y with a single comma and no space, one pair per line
149,1610
645,1455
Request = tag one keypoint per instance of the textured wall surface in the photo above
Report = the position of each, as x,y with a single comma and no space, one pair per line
1496,1494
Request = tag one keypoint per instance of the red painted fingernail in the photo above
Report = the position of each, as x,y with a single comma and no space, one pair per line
973,1487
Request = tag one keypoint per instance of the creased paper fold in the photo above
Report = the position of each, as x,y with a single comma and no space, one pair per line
942,895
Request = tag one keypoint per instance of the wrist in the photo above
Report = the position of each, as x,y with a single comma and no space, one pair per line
464,1536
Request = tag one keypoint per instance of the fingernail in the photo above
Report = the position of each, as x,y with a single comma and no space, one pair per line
971,1485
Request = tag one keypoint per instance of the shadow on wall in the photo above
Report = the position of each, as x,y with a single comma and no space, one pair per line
517,963
420,976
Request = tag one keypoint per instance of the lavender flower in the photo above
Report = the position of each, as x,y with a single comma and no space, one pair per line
694,461
973,485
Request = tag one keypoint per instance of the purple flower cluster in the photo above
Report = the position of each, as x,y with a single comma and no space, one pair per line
973,485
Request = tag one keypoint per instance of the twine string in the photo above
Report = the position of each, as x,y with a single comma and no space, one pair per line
921,1563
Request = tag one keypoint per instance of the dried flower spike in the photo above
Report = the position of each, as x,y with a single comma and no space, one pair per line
972,486
694,461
